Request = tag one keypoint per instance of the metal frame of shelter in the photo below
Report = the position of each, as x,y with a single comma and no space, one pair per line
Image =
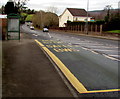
13,27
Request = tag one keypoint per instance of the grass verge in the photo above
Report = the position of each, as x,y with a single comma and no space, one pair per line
114,31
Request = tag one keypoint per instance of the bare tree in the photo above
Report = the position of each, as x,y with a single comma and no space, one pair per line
108,8
52,9
2,9
50,19
41,19
38,19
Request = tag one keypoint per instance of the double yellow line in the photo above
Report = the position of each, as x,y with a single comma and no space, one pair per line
73,80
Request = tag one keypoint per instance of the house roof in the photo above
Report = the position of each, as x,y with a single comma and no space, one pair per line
77,12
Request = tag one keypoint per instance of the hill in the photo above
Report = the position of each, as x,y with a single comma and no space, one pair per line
100,14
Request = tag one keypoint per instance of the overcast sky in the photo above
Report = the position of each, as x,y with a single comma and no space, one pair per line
62,4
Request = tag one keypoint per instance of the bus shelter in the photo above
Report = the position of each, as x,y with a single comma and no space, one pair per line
13,27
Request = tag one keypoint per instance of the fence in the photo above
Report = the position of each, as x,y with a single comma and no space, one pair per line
82,27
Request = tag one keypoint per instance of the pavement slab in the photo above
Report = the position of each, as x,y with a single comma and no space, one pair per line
27,72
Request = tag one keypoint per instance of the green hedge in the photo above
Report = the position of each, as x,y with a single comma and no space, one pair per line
99,22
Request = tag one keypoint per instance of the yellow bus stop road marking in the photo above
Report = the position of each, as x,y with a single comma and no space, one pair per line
73,80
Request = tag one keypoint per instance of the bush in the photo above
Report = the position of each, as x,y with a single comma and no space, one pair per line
100,22
113,24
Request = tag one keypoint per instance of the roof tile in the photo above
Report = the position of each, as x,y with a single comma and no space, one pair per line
77,12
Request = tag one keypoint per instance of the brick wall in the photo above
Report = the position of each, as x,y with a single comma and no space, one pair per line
3,28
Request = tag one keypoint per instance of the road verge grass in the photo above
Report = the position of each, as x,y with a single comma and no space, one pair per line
114,31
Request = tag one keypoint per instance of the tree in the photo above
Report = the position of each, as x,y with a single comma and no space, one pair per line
29,11
50,19
107,8
52,9
23,17
9,7
2,9
41,19
114,23
38,19
16,6
19,4
112,19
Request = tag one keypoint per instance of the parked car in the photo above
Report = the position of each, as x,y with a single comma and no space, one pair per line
45,30
31,27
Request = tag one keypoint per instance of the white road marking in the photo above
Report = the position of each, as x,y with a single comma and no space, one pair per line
107,56
103,47
35,34
112,58
85,43
49,35
103,50
114,55
89,50
94,52
84,48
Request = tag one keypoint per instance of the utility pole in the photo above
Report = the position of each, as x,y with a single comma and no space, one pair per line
87,17
119,7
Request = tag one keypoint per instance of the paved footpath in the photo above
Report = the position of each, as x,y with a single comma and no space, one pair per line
27,72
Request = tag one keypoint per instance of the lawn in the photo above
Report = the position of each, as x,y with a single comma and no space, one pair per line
114,31
29,17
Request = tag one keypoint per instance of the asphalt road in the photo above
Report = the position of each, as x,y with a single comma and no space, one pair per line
90,64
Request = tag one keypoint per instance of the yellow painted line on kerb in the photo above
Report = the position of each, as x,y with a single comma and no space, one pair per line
79,87
97,91
74,81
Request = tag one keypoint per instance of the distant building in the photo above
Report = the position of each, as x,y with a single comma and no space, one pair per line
73,14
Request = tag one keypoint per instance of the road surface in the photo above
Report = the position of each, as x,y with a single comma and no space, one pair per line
90,64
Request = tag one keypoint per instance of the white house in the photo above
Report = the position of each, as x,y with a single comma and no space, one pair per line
73,14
